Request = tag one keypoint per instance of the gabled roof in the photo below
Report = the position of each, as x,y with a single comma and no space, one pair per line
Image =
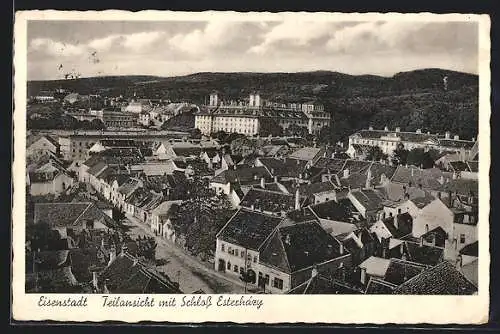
425,255
375,266
369,198
442,279
399,271
129,186
428,178
67,214
305,153
465,187
127,274
471,249
436,235
300,246
404,225
284,167
249,229
243,176
269,201
164,208
342,210
316,188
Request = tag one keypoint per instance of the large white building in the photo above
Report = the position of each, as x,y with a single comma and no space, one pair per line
247,118
389,140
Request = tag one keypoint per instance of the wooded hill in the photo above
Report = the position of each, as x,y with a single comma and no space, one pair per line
411,100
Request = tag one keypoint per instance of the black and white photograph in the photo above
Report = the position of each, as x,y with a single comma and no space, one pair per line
245,157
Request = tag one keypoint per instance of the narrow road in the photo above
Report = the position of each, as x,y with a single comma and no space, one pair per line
191,274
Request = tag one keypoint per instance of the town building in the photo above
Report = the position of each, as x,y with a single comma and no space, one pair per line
248,117
388,141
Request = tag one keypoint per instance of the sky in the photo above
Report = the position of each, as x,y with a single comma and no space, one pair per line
172,48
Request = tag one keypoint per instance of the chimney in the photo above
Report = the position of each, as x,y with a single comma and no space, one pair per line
370,128
386,129
346,173
297,199
124,249
473,139
447,135
458,263
287,240
136,262
275,179
456,137
341,249
398,129
262,183
419,131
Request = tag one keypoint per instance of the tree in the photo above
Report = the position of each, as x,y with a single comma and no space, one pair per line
420,158
375,154
295,130
41,236
400,155
269,126
97,124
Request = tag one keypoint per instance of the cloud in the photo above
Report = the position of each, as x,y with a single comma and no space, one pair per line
141,40
298,33
103,43
216,34
55,48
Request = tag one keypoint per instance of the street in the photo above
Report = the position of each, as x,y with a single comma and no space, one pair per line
191,274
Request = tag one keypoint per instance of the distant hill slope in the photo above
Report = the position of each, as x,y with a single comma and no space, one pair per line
410,100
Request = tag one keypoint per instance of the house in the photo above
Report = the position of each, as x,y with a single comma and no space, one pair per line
399,271
373,266
124,191
361,244
367,201
241,240
443,279
42,145
49,272
319,192
320,285
434,214
50,178
393,227
294,252
232,178
211,157
271,202
283,168
127,274
159,218
337,217
308,154
71,218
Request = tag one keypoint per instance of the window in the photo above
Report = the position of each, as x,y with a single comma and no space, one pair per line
267,279
242,271
242,254
255,259
249,257
399,211
462,238
222,247
236,252
235,269
229,266
278,283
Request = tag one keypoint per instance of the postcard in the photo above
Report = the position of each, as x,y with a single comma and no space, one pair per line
251,167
